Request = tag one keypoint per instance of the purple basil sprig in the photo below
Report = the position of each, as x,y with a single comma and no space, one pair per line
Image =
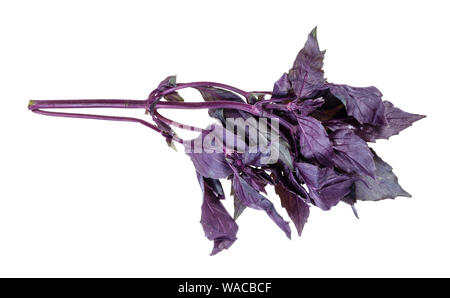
319,131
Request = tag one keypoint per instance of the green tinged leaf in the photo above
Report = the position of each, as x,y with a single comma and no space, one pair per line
174,96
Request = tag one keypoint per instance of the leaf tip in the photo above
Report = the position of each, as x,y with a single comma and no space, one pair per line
314,32
406,194
171,145
288,231
355,212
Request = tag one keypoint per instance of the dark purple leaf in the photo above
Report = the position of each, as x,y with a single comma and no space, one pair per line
216,186
257,178
384,186
167,83
215,94
207,153
314,141
397,120
291,182
296,208
281,87
296,186
352,155
337,124
305,107
364,104
224,114
217,223
174,96
212,165
326,187
239,207
308,106
251,198
306,75
264,147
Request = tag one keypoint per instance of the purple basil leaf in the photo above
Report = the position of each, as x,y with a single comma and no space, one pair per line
337,124
212,165
253,156
364,104
217,223
283,149
326,187
296,186
314,141
306,75
174,96
305,107
291,182
260,144
397,120
239,207
251,198
167,83
385,186
352,155
215,94
216,187
224,114
281,87
308,106
166,131
296,208
256,177
208,155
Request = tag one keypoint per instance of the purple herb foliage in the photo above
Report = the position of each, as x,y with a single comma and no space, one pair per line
321,139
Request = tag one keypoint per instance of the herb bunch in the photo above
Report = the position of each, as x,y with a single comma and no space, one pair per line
321,141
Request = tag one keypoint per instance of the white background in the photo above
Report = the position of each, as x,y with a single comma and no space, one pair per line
86,198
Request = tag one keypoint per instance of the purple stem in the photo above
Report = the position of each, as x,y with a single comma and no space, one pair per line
97,117
205,84
37,105
276,106
137,104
